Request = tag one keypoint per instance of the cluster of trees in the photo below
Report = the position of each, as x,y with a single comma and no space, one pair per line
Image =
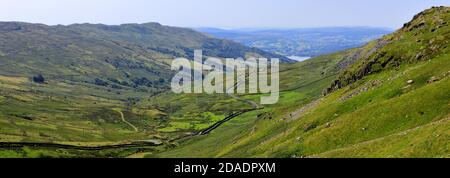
38,79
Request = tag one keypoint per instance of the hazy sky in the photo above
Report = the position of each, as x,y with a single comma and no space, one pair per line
219,13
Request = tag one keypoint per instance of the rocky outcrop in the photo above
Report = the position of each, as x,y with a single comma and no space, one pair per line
428,31
368,86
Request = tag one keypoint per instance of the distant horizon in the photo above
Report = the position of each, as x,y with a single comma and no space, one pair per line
291,28
209,27
230,14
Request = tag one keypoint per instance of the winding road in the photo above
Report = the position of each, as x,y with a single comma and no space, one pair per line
125,121
230,92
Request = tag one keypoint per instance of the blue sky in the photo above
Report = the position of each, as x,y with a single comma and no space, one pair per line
219,13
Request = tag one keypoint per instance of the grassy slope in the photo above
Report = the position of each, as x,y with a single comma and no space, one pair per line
315,75
377,115
383,116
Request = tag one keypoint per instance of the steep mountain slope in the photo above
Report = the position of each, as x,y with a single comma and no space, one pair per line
401,109
424,38
308,42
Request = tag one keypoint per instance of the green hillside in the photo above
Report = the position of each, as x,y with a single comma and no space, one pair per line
392,105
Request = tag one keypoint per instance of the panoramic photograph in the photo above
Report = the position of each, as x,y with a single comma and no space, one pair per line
290,79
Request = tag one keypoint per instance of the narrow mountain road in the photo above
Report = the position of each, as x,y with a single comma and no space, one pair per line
218,124
122,117
230,92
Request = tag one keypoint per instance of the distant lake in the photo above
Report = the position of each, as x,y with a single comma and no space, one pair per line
298,58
